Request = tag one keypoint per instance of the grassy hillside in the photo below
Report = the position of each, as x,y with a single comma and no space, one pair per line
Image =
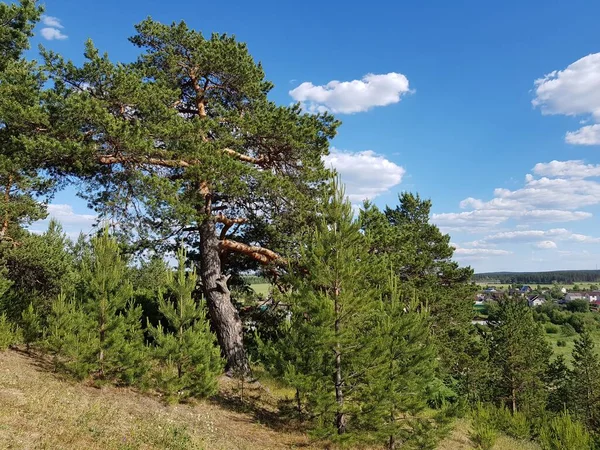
42,411
39,410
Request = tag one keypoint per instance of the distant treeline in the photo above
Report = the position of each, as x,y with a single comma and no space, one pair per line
559,276
254,279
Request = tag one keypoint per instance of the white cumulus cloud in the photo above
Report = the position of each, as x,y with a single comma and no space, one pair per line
354,96
567,169
72,222
366,174
588,135
546,245
537,236
67,216
573,91
52,34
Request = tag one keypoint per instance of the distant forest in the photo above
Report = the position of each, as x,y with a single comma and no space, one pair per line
559,276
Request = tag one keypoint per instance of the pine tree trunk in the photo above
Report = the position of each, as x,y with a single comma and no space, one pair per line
392,443
102,335
298,402
340,417
225,318
514,399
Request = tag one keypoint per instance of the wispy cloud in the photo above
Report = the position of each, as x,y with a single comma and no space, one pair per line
555,192
52,34
51,21
73,223
52,30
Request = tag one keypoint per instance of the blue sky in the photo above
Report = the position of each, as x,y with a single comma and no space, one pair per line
490,110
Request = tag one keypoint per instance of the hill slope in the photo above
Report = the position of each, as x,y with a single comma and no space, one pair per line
40,410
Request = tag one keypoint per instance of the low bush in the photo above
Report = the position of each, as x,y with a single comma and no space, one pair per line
484,433
515,424
561,343
577,321
563,433
580,305
568,330
9,334
551,328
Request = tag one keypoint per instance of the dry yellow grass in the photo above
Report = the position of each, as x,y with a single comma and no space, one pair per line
38,410
41,410
459,440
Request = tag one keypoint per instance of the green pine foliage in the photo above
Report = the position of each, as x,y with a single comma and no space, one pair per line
359,356
484,432
520,356
584,383
400,369
106,295
30,326
9,333
322,353
25,150
564,433
187,352
421,256
558,385
102,323
39,268
71,338
514,424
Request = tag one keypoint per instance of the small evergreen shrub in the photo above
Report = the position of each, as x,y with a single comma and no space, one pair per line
189,360
568,330
70,338
513,424
30,324
484,433
561,343
551,328
563,433
8,333
99,332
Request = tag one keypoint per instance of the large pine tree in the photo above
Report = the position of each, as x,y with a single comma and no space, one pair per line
322,352
421,256
25,147
184,143
520,357
584,382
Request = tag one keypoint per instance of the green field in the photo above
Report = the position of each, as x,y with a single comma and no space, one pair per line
566,351
261,288
582,286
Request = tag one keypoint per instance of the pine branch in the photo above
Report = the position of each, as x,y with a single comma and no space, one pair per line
263,255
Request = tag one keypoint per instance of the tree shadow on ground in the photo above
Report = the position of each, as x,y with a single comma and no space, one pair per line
255,400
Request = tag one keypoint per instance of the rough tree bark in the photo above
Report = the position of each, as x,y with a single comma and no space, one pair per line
223,314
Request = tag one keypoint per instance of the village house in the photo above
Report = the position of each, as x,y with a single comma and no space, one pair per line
536,300
525,290
590,296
